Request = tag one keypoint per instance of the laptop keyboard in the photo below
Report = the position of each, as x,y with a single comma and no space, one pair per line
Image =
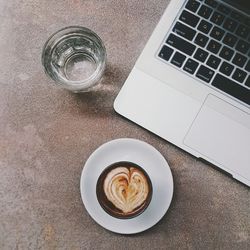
211,42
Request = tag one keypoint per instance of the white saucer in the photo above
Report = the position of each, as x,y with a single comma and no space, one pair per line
143,155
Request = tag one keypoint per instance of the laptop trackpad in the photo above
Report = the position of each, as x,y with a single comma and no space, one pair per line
221,134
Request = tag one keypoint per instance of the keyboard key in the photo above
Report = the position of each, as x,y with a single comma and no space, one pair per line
226,68
239,75
247,68
217,33
180,44
247,22
166,53
237,16
247,83
232,88
243,31
213,46
178,59
184,31
211,3
230,39
205,74
201,40
239,60
242,46
190,66
226,53
204,26
230,25
205,11
189,18
222,8
217,18
201,55
213,61
192,5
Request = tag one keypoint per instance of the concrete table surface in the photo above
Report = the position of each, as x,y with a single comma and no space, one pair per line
46,135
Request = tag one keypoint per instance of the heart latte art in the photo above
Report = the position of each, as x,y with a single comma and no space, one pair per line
124,190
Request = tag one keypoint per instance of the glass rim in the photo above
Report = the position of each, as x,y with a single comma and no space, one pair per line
56,38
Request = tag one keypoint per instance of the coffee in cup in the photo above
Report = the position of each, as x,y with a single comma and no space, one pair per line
124,190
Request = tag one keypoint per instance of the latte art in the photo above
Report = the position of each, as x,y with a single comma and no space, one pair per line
126,188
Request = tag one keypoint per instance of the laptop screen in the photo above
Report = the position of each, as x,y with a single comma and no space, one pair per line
243,5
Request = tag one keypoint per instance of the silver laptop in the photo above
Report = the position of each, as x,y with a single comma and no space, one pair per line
191,84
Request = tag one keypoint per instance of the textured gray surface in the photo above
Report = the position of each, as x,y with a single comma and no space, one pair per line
46,135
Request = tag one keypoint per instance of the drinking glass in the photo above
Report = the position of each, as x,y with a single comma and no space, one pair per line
75,58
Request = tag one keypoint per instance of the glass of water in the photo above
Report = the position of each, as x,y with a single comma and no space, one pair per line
75,58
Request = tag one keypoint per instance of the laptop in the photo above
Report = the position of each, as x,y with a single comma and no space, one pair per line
191,84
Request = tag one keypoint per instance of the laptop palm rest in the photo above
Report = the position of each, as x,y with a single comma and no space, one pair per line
221,134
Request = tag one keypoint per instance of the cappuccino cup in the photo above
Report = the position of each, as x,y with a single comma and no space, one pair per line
124,190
